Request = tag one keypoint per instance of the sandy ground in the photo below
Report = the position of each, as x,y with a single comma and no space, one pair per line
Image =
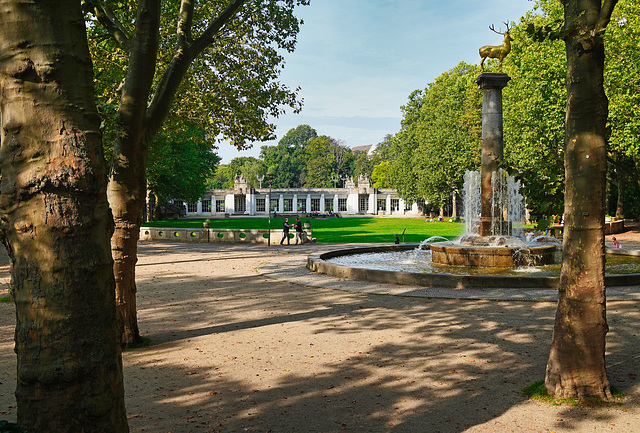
235,351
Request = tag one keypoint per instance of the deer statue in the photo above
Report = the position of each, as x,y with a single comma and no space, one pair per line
499,51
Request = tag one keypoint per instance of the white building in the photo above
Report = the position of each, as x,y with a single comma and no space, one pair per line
350,200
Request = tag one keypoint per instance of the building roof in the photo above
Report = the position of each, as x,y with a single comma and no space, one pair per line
364,148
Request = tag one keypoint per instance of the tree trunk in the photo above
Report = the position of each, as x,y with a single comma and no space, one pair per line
127,181
576,366
620,202
454,212
56,223
126,197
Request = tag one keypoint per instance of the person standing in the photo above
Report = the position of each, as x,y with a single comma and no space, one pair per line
285,232
299,231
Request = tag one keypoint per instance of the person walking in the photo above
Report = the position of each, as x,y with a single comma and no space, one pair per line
285,232
299,231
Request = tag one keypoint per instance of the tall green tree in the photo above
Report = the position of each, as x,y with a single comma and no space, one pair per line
229,51
249,167
576,366
56,224
321,163
381,175
440,137
534,109
622,86
180,161
286,160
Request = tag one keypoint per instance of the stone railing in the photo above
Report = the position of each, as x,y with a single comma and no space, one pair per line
255,236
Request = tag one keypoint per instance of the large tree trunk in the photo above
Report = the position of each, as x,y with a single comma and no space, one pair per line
127,181
56,223
576,366
126,197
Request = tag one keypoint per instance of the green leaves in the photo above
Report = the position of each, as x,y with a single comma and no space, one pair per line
179,163
440,137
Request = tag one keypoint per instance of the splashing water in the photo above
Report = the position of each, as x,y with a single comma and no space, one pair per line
506,197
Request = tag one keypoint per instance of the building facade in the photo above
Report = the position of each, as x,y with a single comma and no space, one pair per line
350,200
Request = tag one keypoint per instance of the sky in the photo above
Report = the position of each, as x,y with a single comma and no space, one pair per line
357,61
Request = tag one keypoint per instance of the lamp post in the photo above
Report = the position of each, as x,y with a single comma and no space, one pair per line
334,178
270,178
260,179
345,179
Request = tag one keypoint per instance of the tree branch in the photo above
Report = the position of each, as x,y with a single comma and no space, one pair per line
206,38
110,22
185,21
167,87
141,67
605,14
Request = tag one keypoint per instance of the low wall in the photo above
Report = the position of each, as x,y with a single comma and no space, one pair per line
610,228
258,236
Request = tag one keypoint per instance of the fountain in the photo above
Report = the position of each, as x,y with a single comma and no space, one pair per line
493,203
492,248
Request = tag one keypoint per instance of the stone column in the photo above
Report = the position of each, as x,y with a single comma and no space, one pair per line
491,85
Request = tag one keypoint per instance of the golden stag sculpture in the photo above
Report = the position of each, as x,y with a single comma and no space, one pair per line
498,51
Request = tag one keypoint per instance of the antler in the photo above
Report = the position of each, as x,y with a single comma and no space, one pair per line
493,29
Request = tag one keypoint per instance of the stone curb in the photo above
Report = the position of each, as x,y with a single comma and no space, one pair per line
293,269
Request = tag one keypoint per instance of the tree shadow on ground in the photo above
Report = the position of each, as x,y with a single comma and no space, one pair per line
244,353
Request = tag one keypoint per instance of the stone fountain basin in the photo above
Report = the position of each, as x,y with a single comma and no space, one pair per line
318,263
446,253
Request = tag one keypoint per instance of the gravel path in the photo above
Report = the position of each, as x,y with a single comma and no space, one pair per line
236,348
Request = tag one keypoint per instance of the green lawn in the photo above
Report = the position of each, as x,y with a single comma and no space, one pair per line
339,230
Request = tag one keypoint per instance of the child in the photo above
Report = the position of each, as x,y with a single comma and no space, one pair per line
616,244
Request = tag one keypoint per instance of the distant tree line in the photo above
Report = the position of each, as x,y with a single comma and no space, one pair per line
304,159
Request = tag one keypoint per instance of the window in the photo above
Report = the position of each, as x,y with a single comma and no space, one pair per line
220,206
382,204
240,205
395,204
315,205
302,205
288,204
260,204
273,204
408,205
192,207
342,205
328,204
206,205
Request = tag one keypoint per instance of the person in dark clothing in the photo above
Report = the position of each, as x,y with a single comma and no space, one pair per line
285,231
299,231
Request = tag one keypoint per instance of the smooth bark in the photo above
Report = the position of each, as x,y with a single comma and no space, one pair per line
127,182
576,366
56,223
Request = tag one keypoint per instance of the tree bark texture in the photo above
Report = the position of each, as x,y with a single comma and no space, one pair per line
127,181
55,223
576,366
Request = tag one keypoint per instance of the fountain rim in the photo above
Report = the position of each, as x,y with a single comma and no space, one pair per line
317,263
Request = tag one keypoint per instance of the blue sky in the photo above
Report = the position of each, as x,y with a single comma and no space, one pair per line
357,61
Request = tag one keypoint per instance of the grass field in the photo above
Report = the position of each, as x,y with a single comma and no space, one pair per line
340,230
